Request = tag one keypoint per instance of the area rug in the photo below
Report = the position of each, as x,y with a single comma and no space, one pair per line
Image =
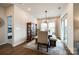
58,50
76,48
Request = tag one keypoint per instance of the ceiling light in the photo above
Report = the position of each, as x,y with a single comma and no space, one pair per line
29,9
46,17
59,8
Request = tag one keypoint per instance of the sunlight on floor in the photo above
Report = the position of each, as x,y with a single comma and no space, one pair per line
58,50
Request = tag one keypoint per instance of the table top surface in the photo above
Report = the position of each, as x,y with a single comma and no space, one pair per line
53,38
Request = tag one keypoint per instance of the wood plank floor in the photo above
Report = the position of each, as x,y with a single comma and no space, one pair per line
7,49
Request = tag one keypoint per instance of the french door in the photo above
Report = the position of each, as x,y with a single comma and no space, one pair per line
64,30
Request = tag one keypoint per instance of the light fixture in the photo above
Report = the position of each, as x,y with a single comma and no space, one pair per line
59,8
46,19
28,9
45,16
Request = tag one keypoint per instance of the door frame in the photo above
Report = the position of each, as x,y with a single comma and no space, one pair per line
63,20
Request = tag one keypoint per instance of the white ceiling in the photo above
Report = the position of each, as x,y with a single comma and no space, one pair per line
38,9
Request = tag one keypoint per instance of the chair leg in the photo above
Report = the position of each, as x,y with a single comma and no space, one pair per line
47,48
38,46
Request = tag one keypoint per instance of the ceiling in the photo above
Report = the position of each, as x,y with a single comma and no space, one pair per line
38,9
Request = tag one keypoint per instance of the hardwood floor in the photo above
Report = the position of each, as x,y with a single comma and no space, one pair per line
7,49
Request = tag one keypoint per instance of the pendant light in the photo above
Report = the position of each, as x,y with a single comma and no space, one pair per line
45,17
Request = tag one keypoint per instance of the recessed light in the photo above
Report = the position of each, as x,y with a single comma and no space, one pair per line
59,8
28,9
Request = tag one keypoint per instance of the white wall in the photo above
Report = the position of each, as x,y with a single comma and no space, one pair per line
19,20
20,30
10,12
4,12
2,29
69,11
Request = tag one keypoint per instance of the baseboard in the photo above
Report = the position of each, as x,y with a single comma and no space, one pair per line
3,43
67,50
18,43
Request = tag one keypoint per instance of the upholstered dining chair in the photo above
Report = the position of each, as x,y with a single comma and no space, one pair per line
42,39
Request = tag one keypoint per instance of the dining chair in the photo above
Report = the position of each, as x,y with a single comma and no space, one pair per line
42,39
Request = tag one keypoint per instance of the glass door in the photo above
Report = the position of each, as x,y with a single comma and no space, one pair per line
64,30
51,28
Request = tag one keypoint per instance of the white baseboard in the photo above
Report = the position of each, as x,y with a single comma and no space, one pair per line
3,43
18,43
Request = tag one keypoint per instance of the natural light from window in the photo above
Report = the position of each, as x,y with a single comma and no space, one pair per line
51,27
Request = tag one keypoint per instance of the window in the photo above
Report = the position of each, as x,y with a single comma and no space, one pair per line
43,26
51,28
9,24
64,29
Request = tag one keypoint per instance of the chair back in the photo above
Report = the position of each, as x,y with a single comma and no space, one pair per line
42,37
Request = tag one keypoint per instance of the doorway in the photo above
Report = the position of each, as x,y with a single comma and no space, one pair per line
64,29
